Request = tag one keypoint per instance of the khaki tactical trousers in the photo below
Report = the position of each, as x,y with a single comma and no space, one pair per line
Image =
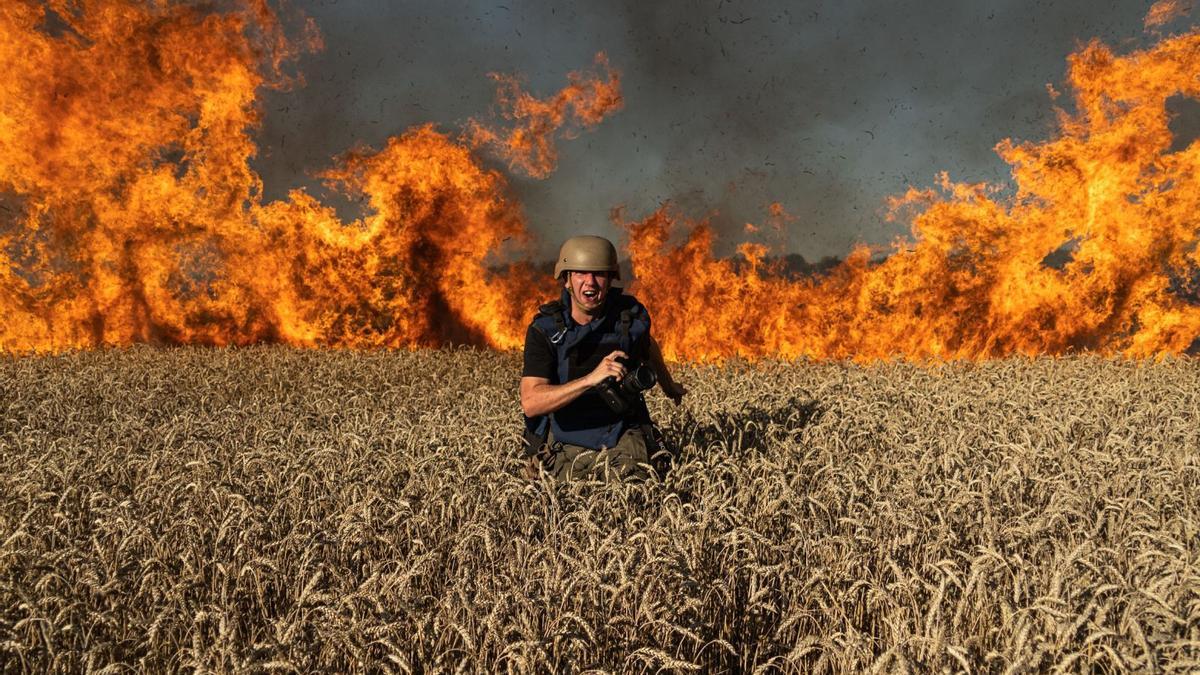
626,460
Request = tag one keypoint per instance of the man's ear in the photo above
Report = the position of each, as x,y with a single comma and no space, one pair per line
566,279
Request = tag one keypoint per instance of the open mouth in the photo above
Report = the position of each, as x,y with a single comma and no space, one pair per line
590,294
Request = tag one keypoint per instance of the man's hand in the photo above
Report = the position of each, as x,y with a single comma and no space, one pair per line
674,391
539,397
609,367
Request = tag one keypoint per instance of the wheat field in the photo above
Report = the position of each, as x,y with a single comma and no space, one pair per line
270,509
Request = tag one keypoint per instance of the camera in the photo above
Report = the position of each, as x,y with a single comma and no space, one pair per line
620,397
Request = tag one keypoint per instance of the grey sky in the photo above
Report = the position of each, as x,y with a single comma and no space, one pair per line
825,107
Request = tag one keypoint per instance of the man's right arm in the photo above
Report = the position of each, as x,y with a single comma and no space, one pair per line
539,397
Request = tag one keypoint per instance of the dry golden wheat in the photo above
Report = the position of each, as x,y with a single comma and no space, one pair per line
269,509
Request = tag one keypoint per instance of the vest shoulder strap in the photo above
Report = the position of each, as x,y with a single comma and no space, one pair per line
551,310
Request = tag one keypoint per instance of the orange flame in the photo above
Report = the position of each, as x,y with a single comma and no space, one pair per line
974,281
129,213
585,101
1166,11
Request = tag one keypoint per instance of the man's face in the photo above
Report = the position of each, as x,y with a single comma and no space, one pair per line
588,289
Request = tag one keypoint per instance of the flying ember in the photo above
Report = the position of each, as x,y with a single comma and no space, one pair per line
129,212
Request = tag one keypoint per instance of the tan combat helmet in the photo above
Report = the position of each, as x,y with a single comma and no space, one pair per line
587,253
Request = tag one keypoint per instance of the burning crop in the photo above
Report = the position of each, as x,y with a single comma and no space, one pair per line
972,281
131,214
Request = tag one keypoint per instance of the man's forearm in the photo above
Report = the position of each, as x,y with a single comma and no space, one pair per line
543,398
539,397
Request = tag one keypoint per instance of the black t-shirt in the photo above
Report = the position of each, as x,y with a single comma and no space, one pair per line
541,358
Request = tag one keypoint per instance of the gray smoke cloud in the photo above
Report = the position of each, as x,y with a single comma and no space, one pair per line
826,107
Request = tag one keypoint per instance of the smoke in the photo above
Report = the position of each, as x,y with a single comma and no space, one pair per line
827,108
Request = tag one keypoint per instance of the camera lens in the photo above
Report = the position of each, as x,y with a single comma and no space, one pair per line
641,378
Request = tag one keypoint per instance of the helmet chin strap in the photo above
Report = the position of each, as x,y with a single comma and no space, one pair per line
578,310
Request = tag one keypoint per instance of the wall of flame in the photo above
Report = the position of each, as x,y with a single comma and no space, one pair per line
129,213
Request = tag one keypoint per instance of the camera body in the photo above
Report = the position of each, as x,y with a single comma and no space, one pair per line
621,396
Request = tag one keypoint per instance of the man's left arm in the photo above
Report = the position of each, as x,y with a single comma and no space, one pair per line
670,387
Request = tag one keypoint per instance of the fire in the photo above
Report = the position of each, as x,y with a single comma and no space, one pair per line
973,281
1166,11
129,212
585,102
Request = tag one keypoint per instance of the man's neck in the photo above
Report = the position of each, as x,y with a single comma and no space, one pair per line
581,317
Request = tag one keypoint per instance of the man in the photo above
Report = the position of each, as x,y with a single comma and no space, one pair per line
574,346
